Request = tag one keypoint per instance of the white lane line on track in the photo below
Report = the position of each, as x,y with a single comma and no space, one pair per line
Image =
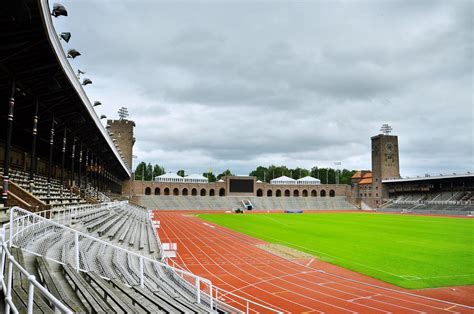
182,225
400,292
223,248
310,261
237,301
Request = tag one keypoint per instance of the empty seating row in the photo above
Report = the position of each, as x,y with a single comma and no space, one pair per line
53,192
167,202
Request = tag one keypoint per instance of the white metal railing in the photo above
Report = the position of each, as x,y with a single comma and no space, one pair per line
242,304
7,259
432,202
23,225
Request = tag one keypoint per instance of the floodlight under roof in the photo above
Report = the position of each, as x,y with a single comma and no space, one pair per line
86,81
72,53
103,117
97,103
66,36
58,10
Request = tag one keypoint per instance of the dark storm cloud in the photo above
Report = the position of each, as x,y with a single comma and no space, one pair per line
239,84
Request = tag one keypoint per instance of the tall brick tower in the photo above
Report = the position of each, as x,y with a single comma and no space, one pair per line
385,161
121,132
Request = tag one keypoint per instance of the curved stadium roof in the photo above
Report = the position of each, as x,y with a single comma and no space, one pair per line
42,73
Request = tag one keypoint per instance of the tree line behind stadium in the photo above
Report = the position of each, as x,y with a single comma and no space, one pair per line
147,172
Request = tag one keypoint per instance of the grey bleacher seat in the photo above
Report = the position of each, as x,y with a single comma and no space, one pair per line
161,292
48,278
20,288
169,202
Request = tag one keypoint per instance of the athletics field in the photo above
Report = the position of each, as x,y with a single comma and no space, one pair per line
408,251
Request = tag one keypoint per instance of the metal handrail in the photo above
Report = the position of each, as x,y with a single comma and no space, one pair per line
222,292
20,224
32,282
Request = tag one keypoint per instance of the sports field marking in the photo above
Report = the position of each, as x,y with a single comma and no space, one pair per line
236,239
407,242
272,278
206,224
339,290
329,255
367,297
310,261
447,276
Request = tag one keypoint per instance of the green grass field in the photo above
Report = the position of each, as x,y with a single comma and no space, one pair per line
408,251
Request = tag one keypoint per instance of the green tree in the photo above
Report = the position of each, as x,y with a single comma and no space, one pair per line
299,173
210,176
181,173
149,172
226,173
315,172
158,171
345,176
140,171
261,173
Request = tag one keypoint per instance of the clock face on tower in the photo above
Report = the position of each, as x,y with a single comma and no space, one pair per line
389,148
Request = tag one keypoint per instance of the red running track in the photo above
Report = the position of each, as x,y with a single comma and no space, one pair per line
233,262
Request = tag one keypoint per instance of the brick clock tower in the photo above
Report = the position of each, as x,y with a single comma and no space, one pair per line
121,132
385,161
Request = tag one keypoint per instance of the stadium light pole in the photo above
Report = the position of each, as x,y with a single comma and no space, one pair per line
66,36
33,149
337,163
86,81
58,10
72,53
6,166
79,72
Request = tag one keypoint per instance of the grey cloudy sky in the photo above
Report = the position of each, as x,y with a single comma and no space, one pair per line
237,84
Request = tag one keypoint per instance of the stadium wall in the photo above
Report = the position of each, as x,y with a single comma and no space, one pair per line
222,189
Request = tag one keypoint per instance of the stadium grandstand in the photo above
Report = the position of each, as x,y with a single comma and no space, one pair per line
79,234
451,194
64,245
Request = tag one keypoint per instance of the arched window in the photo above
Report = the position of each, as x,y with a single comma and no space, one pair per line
175,191
184,192
194,192
314,193
203,192
322,193
157,191
259,193
278,193
148,191
222,192
167,191
287,193
211,192
269,193
332,193
296,193
305,193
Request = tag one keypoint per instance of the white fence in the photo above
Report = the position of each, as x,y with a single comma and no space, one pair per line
25,229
